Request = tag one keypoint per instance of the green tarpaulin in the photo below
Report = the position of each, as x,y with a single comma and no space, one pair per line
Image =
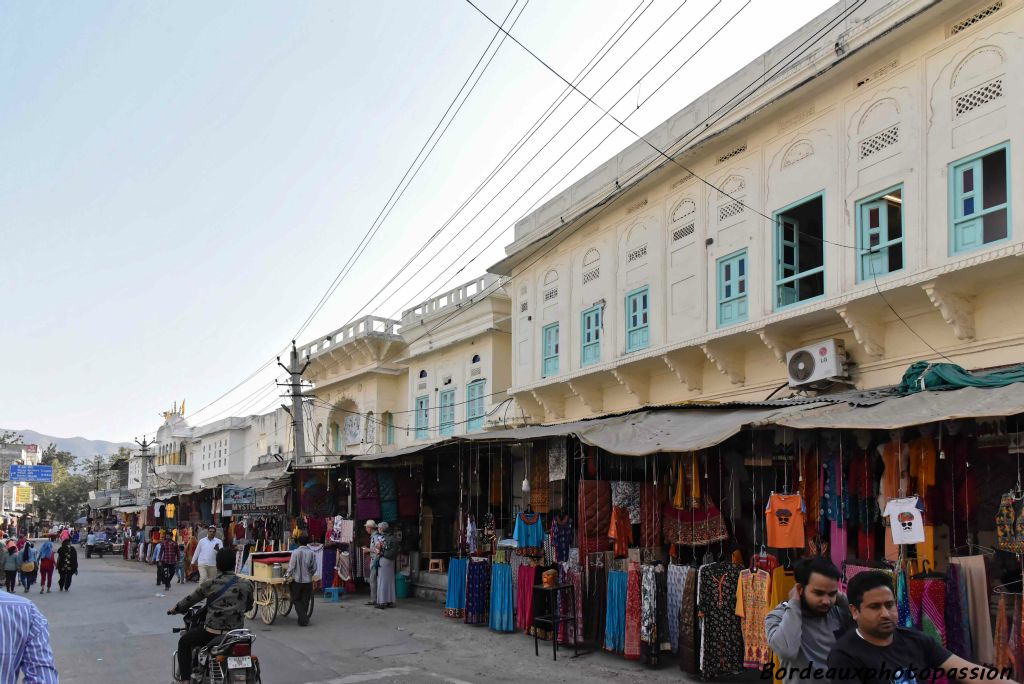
945,376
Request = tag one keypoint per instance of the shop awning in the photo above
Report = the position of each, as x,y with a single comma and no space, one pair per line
399,452
98,504
130,509
914,409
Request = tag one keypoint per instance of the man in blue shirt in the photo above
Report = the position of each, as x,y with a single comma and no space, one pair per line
25,643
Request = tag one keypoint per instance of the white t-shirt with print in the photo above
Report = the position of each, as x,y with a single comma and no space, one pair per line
905,520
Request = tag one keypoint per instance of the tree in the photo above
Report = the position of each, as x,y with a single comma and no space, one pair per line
64,499
52,456
10,437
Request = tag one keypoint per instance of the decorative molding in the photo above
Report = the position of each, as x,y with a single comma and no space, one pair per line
550,400
592,397
688,368
529,404
798,151
777,342
869,333
728,363
636,384
956,309
683,208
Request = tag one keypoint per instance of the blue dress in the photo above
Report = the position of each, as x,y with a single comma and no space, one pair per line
455,601
529,534
502,618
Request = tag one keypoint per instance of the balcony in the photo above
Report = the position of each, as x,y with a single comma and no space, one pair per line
462,295
368,326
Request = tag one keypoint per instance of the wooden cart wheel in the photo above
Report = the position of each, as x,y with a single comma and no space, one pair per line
251,613
268,610
284,600
258,598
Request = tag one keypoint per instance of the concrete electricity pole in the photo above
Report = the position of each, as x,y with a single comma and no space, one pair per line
144,451
295,372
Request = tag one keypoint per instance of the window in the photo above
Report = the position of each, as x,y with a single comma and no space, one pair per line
732,288
980,212
637,330
476,358
475,405
590,339
550,366
336,437
422,417
447,422
423,374
799,252
880,234
389,428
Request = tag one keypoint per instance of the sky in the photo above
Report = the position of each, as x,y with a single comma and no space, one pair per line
182,182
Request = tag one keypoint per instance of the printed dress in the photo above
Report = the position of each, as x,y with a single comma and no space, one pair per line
722,633
752,607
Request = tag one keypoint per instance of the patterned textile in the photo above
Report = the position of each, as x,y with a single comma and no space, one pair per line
478,592
524,597
561,537
928,603
634,612
529,534
620,531
328,562
516,561
595,605
693,527
540,487
958,627
974,576
663,642
408,496
386,486
904,608
549,552
455,601
648,605
573,576
366,484
1010,524
556,460
389,511
627,495
650,516
688,652
676,578
368,509
595,514
721,633
502,614
752,607
1002,637
615,616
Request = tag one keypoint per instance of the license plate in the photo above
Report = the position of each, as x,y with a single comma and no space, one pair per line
239,663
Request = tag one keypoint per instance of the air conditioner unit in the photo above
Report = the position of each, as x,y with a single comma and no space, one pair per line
819,362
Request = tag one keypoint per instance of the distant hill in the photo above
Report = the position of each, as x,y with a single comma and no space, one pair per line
80,447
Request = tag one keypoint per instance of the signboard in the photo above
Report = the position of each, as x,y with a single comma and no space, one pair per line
22,495
241,500
32,473
353,429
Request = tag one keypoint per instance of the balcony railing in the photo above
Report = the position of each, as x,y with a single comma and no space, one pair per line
483,286
368,325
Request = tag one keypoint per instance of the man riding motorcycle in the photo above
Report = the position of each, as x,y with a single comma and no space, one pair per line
229,597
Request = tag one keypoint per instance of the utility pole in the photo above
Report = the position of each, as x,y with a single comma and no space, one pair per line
295,371
144,452
97,463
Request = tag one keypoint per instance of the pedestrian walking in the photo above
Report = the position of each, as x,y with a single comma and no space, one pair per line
191,573
205,555
386,567
46,565
67,565
27,566
90,542
25,643
179,569
302,570
154,559
374,549
11,567
169,556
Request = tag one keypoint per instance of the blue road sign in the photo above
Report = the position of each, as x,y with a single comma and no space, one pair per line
31,473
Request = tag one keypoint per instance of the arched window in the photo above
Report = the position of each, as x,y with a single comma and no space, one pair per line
591,266
476,358
551,277
388,426
370,434
423,374
335,438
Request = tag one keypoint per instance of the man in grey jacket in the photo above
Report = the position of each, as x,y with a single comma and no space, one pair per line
803,630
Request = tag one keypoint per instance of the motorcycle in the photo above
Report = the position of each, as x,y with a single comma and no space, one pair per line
227,659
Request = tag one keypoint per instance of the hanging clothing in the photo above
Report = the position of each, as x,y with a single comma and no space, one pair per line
784,520
1010,524
478,591
627,495
905,520
540,485
972,569
752,596
620,531
524,597
927,604
721,630
904,610
455,601
650,516
694,527
958,628
634,613
863,509
561,537
502,614
556,460
615,616
595,606
675,579
568,574
923,458
809,488
529,534
595,513
689,649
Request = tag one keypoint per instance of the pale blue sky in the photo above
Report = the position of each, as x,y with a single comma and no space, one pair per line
166,165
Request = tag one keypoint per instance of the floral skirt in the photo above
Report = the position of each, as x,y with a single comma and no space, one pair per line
478,592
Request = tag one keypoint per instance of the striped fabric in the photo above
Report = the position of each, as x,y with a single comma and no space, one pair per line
25,643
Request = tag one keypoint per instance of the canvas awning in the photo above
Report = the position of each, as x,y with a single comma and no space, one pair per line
914,409
98,504
130,509
363,458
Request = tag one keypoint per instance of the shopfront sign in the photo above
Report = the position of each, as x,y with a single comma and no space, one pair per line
31,473
241,500
22,495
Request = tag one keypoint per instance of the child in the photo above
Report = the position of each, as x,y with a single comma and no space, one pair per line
180,569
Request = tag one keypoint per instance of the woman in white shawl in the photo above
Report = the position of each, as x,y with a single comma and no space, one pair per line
386,568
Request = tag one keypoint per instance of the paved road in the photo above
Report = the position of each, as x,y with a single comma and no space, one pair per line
112,629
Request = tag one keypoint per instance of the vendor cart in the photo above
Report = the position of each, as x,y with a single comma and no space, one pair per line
272,596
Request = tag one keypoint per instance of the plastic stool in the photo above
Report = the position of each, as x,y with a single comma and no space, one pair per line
333,594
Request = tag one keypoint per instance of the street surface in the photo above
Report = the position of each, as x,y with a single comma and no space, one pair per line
112,628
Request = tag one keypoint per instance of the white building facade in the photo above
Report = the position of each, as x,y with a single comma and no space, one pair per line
862,194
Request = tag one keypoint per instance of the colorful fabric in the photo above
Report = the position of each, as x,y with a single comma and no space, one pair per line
524,597
650,517
595,513
627,495
784,520
693,526
455,601
620,531
904,607
752,595
529,534
573,576
556,460
478,591
561,537
1002,637
596,604
389,511
688,650
386,486
634,612
502,618
676,578
722,633
540,487
957,625
648,605
615,616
